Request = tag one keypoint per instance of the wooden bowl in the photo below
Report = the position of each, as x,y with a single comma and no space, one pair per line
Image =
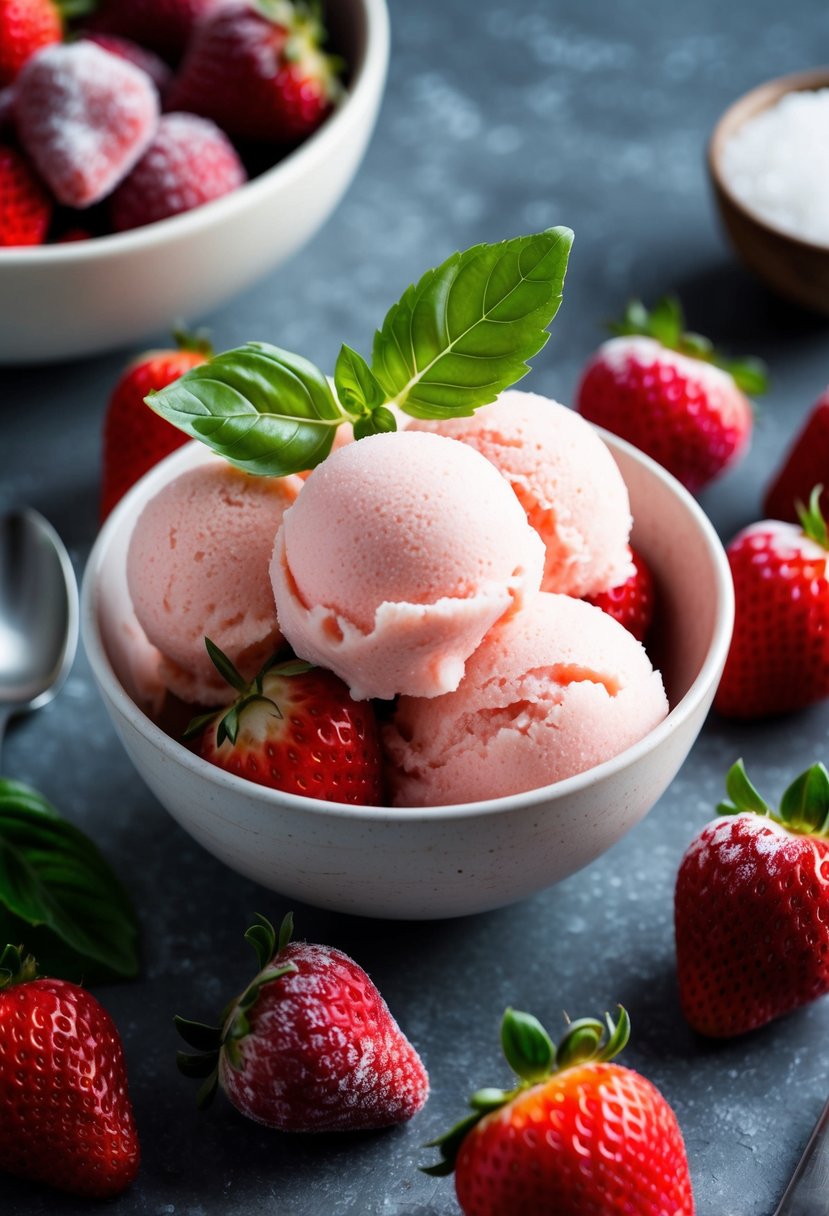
797,269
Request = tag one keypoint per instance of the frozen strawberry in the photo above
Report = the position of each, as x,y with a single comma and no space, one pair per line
162,25
806,465
25,207
669,394
189,162
309,1045
158,71
779,654
25,27
631,602
259,72
84,117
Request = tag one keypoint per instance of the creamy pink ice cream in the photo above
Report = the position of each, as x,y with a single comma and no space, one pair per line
198,566
400,553
553,690
566,480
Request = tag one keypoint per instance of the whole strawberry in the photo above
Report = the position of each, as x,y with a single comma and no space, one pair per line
25,207
65,1115
296,728
256,68
164,26
189,162
25,27
631,602
806,465
309,1046
752,907
666,392
578,1136
779,655
134,437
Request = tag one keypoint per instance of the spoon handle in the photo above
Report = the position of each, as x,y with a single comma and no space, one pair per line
808,1192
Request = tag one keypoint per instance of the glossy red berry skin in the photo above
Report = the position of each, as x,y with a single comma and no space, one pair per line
25,206
25,27
631,603
806,465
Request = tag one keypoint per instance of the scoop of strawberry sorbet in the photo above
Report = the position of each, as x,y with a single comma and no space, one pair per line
197,567
566,480
400,553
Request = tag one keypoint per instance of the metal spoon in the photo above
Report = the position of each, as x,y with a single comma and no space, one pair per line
808,1192
38,613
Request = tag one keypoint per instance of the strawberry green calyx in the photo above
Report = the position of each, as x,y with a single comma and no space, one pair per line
811,519
198,341
211,1041
535,1059
71,9
666,323
804,807
16,968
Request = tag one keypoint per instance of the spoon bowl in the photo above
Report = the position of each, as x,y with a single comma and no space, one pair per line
38,613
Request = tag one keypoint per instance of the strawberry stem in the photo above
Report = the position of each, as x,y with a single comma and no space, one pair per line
811,518
16,968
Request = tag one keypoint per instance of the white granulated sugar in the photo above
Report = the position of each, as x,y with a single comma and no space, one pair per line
777,165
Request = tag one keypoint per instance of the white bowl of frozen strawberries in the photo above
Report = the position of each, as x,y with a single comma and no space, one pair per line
157,158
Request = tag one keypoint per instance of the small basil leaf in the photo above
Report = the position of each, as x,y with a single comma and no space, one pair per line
58,895
465,331
356,384
264,409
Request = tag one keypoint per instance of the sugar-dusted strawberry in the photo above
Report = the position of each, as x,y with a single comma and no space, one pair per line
779,655
752,907
25,27
189,162
65,1114
159,72
309,1045
258,70
806,465
577,1136
631,602
25,206
296,728
84,117
164,26
668,393
134,437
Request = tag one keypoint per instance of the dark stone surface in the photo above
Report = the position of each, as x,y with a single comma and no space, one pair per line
499,119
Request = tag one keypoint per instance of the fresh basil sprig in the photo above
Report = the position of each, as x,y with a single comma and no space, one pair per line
452,343
58,896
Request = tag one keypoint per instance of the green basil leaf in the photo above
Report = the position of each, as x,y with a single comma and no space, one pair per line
357,387
465,331
264,409
58,896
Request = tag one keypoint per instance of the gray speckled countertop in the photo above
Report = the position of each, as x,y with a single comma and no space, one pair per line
499,119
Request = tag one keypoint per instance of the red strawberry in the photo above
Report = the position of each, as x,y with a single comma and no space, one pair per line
309,1046
158,71
258,71
84,117
752,907
779,655
135,438
577,1136
65,1115
631,603
189,162
294,728
805,466
667,393
25,207
164,26
25,27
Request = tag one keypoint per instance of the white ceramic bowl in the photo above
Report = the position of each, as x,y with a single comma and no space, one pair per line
64,301
441,861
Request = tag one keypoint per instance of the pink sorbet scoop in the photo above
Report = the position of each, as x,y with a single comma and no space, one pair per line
566,480
557,688
400,553
198,566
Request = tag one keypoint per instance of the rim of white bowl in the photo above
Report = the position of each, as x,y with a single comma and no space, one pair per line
114,690
370,74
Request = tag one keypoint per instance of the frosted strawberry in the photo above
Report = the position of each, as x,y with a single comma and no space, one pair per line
631,602
806,465
65,1114
84,117
158,71
669,394
309,1045
25,207
259,71
779,655
577,1136
189,162
752,907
